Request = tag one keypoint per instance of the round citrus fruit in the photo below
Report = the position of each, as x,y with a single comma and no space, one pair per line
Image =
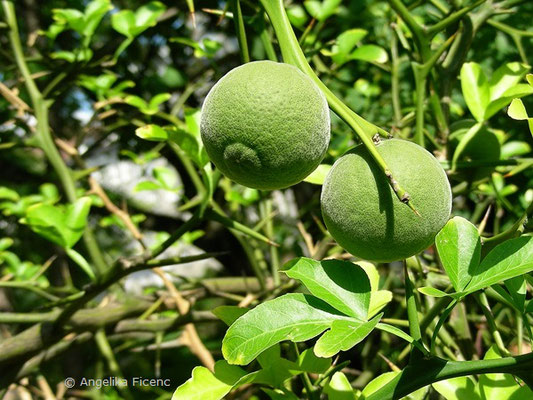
364,215
265,125
484,146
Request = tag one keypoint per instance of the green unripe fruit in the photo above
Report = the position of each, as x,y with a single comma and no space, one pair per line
484,146
265,125
364,215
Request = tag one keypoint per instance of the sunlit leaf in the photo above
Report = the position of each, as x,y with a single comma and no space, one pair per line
295,317
462,387
342,284
344,335
370,53
476,89
506,77
318,176
152,132
339,388
459,248
206,385
517,110
509,259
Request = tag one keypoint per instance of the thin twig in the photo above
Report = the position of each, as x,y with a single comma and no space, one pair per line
190,334
112,208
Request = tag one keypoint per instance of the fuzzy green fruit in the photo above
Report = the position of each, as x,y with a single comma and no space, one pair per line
364,215
265,125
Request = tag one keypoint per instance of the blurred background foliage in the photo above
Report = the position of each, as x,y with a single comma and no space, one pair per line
107,73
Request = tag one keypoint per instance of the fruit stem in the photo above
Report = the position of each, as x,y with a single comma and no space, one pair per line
293,54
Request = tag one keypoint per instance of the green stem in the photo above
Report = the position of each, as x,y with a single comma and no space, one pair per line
44,135
178,233
293,54
189,167
106,350
424,372
395,80
440,322
513,231
485,307
28,286
451,19
416,29
269,230
266,40
420,90
241,31
412,308
311,393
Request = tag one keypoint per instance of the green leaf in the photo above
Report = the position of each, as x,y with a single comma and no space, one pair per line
63,226
133,24
166,177
397,332
81,262
204,385
8,194
277,394
152,132
462,387
347,40
321,10
297,15
6,243
515,148
370,53
276,370
339,388
345,43
465,141
459,248
136,101
76,219
210,47
378,298
229,314
517,91
431,291
501,386
517,110
344,335
342,284
318,176
192,120
476,90
191,144
159,99
94,12
147,185
294,317
382,380
509,259
74,19
309,362
517,288
147,15
506,77
73,56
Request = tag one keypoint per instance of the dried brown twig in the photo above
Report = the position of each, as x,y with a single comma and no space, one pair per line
190,335
112,208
